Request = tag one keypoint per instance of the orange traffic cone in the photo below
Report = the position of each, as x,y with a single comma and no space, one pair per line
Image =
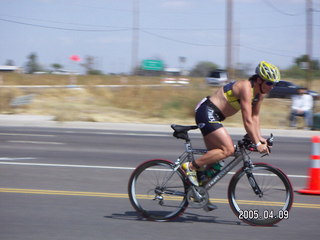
314,170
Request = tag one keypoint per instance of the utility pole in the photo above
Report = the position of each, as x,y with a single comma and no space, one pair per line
135,35
229,39
309,41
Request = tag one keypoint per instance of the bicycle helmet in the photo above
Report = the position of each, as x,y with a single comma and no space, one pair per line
268,72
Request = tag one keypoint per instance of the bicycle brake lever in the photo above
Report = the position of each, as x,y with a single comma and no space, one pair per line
269,149
268,153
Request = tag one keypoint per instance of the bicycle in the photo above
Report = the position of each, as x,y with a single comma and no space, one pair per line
258,193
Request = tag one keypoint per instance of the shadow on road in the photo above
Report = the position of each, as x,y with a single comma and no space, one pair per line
185,218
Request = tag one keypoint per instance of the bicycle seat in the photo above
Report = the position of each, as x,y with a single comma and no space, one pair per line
181,131
182,128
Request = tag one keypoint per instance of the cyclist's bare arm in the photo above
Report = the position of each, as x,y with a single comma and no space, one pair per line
250,114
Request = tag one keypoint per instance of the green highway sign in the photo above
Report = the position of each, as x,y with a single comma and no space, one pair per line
155,65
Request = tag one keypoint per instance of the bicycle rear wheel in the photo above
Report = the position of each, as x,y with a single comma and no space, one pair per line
157,192
270,204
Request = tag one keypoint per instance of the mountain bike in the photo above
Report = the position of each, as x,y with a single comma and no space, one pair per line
259,194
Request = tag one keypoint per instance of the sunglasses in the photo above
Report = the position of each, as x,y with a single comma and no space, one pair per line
269,83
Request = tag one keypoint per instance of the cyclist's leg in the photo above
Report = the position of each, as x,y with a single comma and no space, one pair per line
219,145
216,137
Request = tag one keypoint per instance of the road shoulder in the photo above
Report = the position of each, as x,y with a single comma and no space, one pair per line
48,121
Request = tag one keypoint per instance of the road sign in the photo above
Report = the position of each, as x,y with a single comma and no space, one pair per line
155,65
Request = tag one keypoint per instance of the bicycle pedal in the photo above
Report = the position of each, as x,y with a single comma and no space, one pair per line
209,207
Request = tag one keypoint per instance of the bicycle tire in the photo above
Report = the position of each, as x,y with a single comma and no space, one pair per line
153,195
266,210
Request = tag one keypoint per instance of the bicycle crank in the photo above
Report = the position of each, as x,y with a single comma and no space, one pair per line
197,197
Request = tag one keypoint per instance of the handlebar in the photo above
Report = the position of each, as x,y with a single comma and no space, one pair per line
249,145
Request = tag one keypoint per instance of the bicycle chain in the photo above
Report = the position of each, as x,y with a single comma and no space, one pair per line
198,197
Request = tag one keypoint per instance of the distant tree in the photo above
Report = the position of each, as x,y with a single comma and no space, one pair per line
304,59
9,63
56,66
32,65
94,72
294,71
298,68
203,68
89,65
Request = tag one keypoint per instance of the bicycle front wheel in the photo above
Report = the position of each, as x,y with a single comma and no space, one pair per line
157,191
261,196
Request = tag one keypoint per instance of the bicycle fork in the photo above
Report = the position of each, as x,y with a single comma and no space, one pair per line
253,183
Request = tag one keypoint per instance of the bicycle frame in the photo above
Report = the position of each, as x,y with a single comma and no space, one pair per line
170,189
240,155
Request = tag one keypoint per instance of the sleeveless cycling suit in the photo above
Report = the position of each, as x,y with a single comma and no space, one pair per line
210,116
232,100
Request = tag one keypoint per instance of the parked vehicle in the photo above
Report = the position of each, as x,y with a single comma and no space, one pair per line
285,89
217,78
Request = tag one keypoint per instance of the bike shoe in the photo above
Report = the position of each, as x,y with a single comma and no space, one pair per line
209,207
191,174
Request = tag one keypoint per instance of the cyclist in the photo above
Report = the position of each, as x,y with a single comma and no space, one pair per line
245,96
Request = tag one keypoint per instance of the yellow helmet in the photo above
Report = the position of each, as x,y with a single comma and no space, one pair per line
268,72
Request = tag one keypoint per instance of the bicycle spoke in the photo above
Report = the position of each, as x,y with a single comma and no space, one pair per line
158,192
268,208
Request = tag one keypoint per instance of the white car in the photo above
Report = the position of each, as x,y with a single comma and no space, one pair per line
217,78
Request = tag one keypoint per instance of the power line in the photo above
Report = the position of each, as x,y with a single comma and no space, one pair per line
180,41
188,13
267,2
109,30
266,51
66,29
5,16
117,28
145,32
257,49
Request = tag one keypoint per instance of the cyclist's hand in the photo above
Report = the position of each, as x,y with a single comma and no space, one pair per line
263,140
263,148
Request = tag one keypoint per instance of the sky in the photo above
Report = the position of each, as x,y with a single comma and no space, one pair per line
270,30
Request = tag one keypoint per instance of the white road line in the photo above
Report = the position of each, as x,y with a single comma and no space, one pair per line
135,134
66,165
36,142
93,132
28,135
15,159
96,167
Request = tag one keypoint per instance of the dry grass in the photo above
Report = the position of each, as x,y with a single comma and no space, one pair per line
135,104
27,79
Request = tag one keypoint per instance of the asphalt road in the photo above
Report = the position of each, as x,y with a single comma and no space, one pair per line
58,183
